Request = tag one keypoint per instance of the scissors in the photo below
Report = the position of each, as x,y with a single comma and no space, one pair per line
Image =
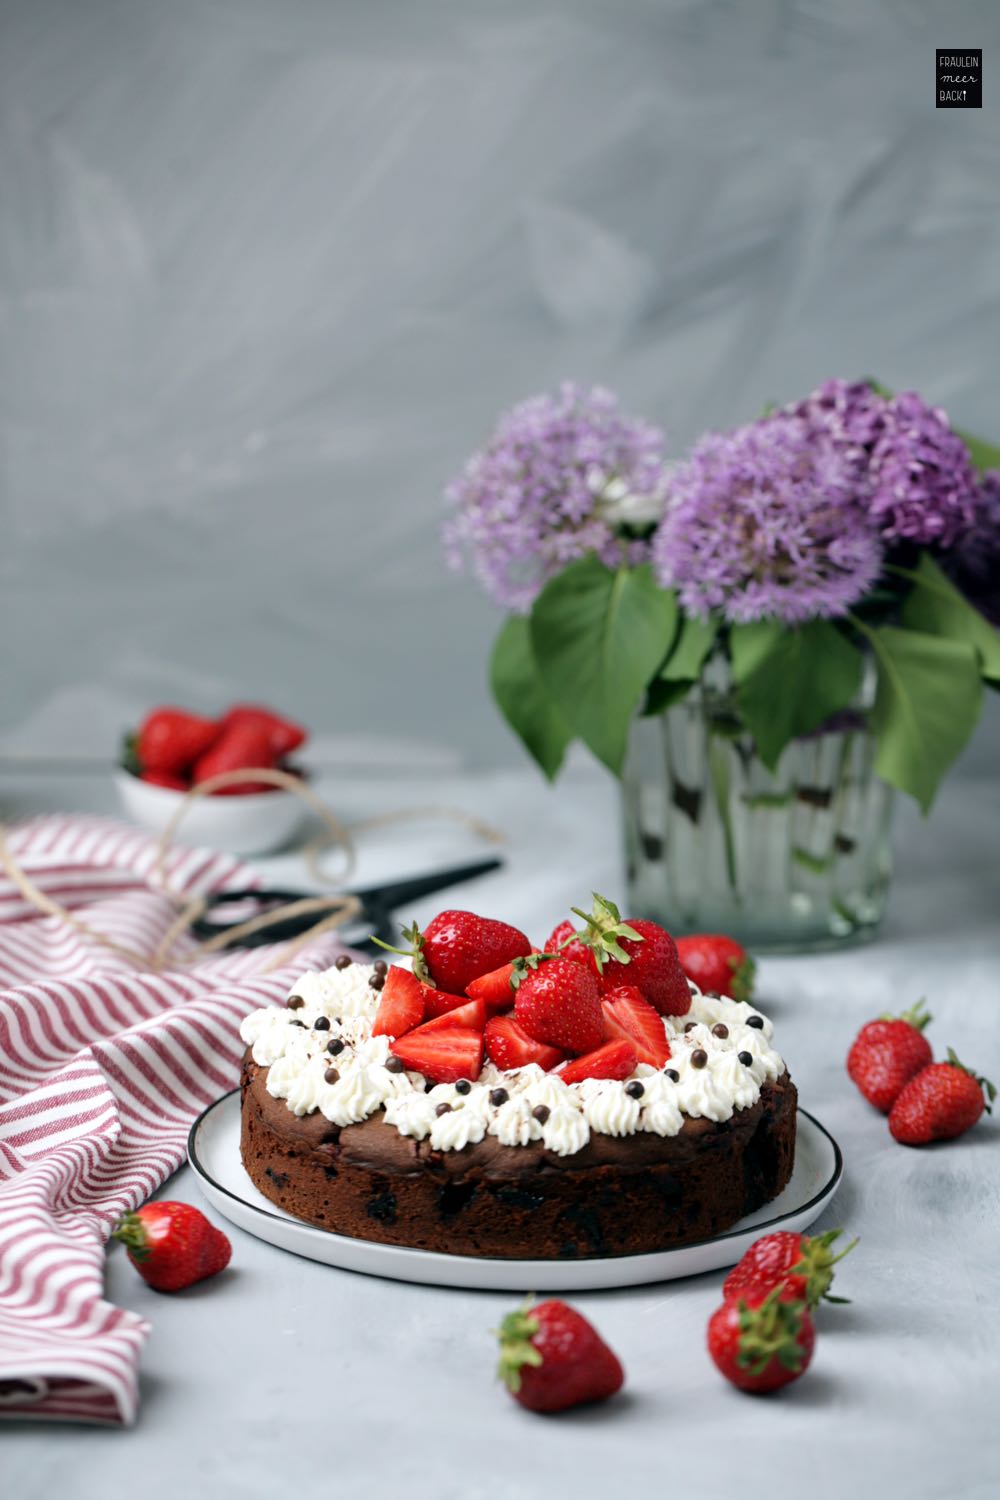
374,920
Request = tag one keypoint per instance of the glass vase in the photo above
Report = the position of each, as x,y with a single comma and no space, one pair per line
795,859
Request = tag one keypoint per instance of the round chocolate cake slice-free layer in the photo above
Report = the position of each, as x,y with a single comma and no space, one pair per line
626,1195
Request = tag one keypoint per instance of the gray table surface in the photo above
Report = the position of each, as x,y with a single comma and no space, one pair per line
287,1377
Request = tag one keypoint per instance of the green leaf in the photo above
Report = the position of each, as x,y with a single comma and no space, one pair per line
598,637
522,697
790,681
926,706
662,695
984,455
936,606
694,641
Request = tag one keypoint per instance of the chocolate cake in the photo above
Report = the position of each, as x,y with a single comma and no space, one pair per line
519,1164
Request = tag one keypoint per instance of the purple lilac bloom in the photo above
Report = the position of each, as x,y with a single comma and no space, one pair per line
974,563
767,520
923,483
557,479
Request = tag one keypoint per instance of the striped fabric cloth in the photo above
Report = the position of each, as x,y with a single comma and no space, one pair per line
102,1070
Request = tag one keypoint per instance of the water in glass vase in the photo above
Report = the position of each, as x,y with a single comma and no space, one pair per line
793,859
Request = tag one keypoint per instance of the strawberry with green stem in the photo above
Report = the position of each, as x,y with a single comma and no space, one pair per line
639,952
939,1103
887,1053
763,1340
552,1358
801,1263
457,947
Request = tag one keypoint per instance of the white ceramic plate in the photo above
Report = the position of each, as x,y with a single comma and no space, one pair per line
214,1153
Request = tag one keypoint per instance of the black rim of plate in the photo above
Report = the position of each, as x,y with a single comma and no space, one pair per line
198,1166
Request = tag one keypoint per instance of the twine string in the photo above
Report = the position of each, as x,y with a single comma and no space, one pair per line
339,907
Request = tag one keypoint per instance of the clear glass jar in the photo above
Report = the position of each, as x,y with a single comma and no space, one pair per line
785,861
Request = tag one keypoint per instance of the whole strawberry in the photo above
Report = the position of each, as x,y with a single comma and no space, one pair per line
559,1002
169,739
887,1053
551,1358
285,734
718,964
637,952
172,1245
242,746
457,947
763,1340
943,1101
565,941
801,1263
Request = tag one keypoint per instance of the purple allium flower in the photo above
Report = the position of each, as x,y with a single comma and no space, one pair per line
558,479
923,483
974,563
767,520
849,410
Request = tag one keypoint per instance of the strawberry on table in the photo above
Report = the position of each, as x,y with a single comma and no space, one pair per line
941,1102
887,1053
639,952
552,1358
612,1060
444,1055
509,1046
170,739
284,734
172,1245
801,1263
241,746
559,1002
457,947
718,964
628,1016
763,1340
401,1004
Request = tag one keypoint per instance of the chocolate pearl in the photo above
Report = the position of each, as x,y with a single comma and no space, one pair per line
298,1023
376,981
672,1074
498,1097
428,1086
295,1002
746,1058
331,1075
344,961
757,1022
335,1046
381,967
541,1113
321,1023
635,1089
463,1086
699,1058
443,1109
690,1027
719,1030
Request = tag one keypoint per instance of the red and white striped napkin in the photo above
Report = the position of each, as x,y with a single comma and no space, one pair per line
102,1070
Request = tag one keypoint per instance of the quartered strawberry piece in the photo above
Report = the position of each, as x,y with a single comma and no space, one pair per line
613,1060
401,1006
472,1014
438,1003
628,1017
443,1054
508,1045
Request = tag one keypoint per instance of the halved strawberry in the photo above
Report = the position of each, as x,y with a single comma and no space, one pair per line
508,1045
471,1014
438,1003
442,1054
613,1060
628,1016
401,1004
495,988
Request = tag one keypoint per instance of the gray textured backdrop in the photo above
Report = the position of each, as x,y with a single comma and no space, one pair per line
268,268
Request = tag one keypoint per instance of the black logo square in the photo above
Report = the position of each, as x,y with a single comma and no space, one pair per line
959,78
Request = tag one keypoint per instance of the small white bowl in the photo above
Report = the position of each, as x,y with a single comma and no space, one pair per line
255,823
